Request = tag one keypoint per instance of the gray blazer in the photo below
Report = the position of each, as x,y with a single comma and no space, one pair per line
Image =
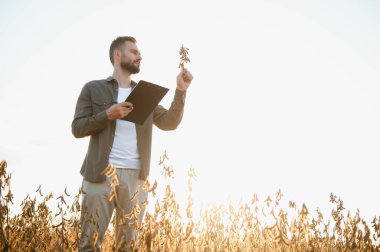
90,119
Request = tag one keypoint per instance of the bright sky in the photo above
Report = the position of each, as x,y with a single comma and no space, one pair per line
285,95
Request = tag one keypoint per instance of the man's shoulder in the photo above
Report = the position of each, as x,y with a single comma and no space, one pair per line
97,83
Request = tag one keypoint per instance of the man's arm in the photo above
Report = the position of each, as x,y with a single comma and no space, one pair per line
85,123
170,119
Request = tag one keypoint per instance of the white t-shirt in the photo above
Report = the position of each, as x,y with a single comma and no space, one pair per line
124,152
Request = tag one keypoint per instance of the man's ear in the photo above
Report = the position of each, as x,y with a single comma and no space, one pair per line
116,54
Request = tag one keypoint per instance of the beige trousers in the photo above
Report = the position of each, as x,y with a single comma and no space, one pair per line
97,210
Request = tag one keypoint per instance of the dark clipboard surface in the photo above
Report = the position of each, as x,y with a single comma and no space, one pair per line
145,96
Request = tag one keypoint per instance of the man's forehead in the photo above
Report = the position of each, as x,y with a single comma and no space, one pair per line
130,45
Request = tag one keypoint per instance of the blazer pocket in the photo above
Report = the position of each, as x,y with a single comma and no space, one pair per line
101,105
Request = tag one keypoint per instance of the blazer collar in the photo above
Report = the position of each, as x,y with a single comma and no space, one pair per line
111,79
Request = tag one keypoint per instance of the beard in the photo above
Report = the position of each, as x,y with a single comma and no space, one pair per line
130,67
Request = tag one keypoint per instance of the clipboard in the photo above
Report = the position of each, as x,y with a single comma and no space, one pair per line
145,97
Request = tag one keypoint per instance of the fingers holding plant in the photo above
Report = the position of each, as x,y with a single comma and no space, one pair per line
184,78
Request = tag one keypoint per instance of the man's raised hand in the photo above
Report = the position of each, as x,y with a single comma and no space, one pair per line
184,79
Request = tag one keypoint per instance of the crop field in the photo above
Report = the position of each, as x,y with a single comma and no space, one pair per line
219,228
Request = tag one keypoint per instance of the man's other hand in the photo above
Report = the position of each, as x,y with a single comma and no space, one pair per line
119,110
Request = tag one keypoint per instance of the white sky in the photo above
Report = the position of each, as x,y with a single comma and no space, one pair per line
285,95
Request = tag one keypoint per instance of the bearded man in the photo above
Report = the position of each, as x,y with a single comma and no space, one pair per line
100,107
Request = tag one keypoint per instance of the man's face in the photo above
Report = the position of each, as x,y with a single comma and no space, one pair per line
130,58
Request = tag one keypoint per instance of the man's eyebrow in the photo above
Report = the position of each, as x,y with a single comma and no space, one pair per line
134,51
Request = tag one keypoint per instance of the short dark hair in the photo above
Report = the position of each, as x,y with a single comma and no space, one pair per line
118,43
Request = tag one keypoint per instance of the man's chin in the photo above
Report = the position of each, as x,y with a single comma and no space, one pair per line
132,68
135,69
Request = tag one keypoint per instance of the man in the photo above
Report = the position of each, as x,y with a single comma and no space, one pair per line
126,145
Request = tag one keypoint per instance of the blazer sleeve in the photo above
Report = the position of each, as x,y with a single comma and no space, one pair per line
169,119
85,123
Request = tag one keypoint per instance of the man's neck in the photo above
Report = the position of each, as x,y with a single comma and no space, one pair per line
123,78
